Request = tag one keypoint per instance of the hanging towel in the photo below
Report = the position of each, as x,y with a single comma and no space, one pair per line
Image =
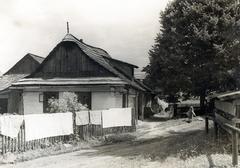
96,117
38,126
117,117
162,103
82,118
10,125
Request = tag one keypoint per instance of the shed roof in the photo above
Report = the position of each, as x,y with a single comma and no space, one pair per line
225,95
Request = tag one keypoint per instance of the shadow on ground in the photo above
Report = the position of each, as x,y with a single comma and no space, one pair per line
175,144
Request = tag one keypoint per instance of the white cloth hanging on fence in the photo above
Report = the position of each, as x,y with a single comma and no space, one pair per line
38,126
96,117
117,117
10,125
82,118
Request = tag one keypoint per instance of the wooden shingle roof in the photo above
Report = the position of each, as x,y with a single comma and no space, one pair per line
26,65
101,57
98,55
7,80
36,57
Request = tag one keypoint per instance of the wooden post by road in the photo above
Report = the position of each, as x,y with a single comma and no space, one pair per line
206,124
215,130
234,148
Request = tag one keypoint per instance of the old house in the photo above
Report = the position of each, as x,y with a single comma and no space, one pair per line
99,80
21,69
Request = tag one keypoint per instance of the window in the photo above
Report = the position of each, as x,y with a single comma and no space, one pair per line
46,97
84,98
124,100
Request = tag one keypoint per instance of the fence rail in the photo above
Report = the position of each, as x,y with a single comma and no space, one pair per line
233,130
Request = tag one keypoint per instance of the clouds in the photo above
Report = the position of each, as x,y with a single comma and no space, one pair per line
124,28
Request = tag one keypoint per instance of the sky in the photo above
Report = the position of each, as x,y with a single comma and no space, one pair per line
126,29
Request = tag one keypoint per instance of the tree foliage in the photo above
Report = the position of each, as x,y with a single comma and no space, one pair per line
197,48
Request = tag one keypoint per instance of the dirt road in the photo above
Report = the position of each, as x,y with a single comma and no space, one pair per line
172,143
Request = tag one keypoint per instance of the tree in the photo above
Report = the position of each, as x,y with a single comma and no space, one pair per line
194,51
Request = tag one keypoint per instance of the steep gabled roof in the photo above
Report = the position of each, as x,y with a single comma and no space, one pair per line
88,49
36,57
101,57
33,58
8,78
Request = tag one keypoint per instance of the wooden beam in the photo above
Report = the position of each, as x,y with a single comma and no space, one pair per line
215,130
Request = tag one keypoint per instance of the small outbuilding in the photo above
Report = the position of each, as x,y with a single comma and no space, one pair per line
225,107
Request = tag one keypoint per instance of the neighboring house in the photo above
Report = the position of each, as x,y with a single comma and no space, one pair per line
140,75
21,69
100,81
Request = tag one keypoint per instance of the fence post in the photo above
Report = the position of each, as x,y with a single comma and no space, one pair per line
206,124
215,130
102,125
3,144
24,137
234,148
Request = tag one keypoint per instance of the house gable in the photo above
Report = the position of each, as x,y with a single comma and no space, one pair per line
26,65
68,60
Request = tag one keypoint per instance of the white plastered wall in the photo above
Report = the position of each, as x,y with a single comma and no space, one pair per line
31,103
106,100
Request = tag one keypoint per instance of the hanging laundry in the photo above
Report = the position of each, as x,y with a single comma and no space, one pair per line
10,125
82,118
38,126
162,103
96,117
117,117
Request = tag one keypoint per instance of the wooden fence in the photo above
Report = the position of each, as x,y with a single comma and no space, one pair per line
85,132
231,129
88,131
19,144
